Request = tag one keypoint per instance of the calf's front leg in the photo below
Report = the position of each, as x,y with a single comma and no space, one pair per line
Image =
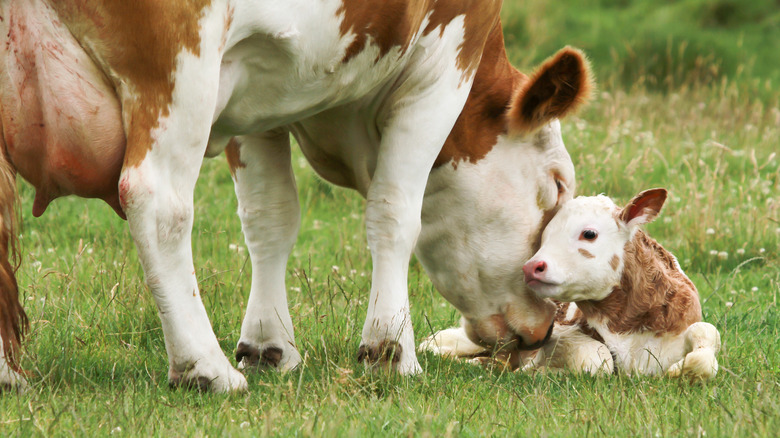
572,350
702,343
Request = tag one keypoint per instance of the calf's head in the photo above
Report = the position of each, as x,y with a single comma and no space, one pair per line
581,256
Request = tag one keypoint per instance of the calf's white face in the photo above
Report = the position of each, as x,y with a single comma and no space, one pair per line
581,256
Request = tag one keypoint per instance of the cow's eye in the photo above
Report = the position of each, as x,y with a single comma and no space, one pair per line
559,184
589,235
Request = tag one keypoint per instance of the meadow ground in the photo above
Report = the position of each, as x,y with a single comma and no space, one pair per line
97,359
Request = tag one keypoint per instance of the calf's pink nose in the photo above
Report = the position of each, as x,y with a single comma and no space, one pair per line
534,270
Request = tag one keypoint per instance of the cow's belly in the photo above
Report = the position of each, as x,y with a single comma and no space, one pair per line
61,121
341,144
286,73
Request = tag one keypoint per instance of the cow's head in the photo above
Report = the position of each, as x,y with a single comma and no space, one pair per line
581,257
509,174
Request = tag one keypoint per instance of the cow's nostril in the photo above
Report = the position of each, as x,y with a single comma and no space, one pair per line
540,267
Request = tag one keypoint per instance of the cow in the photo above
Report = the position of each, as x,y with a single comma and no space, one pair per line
624,303
412,103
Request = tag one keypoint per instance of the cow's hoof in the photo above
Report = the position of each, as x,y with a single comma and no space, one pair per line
389,355
207,379
11,381
386,353
199,383
249,356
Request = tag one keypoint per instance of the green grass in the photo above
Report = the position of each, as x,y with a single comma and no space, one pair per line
659,45
97,359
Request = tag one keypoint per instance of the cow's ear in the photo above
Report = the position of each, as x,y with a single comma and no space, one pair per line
559,86
644,207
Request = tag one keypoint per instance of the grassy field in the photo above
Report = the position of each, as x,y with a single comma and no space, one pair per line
97,358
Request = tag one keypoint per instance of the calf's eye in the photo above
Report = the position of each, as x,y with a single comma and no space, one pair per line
589,235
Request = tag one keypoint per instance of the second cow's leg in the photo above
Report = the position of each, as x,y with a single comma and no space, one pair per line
270,217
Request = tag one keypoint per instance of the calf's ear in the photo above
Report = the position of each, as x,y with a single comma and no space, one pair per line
558,87
644,207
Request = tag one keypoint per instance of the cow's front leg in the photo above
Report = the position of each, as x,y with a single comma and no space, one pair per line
270,217
392,224
410,144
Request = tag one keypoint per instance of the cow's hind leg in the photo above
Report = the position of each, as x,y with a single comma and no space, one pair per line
702,343
10,378
157,196
13,320
270,217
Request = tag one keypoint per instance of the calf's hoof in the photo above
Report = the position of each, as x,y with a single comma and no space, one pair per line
698,365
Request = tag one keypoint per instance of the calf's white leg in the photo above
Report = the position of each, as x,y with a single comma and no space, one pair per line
270,218
452,342
571,349
702,343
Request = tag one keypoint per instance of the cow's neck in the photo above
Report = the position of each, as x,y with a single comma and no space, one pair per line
653,296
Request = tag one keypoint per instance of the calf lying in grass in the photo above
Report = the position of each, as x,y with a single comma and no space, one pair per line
624,302
620,289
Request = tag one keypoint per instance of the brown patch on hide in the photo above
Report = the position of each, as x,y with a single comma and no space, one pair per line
139,41
536,237
480,18
233,155
614,262
653,294
483,117
561,85
586,253
388,24
491,330
393,23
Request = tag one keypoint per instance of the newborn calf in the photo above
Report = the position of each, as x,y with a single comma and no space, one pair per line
624,301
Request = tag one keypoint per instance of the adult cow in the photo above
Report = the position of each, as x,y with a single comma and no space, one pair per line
121,100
